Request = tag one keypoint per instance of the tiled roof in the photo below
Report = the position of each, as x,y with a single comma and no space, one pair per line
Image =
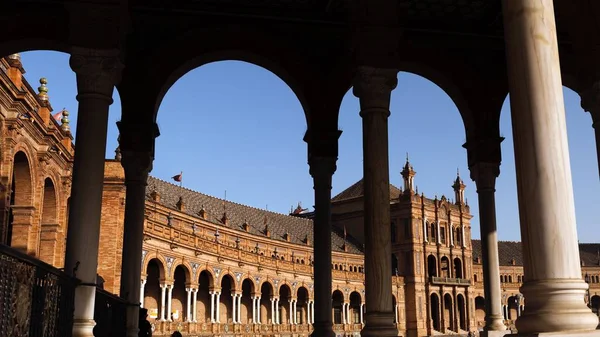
509,250
279,224
357,190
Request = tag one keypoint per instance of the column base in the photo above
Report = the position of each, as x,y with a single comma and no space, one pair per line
494,333
322,329
379,324
495,323
83,327
555,305
593,333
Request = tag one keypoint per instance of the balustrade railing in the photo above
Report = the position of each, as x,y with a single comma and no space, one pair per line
36,299
450,281
109,314
161,328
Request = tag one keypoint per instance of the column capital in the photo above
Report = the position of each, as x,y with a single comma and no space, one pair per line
137,166
590,102
484,175
484,149
98,71
322,143
373,86
322,167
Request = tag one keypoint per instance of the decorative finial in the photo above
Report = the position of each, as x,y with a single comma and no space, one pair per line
15,56
65,121
43,89
407,157
457,172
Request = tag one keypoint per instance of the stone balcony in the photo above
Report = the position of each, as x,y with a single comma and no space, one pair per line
450,281
211,329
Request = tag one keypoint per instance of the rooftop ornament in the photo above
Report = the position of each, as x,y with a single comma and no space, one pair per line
65,122
43,89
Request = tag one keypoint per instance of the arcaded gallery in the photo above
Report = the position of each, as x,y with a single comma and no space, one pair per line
86,241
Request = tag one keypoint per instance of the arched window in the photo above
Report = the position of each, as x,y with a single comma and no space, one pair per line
433,233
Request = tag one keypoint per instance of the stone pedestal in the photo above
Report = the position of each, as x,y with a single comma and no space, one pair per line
553,289
373,87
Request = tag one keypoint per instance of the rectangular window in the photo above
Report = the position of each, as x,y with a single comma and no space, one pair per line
407,235
442,234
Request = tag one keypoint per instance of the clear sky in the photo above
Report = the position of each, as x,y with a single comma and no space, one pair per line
233,126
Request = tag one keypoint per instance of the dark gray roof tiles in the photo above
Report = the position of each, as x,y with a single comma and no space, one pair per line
358,190
509,250
279,224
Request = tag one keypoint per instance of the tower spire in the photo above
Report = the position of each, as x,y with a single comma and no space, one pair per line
408,174
459,189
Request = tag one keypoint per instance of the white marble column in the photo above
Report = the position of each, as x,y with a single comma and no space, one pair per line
308,312
97,73
212,307
451,230
277,313
553,286
322,167
142,286
295,312
361,313
425,236
218,305
137,161
234,308
273,321
258,318
163,291
240,308
195,305
188,313
312,313
396,314
169,302
462,233
373,87
437,226
254,320
484,175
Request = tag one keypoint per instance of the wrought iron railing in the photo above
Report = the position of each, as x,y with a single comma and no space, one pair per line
109,314
36,299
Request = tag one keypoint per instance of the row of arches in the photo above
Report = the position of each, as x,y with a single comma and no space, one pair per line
448,313
20,215
211,299
445,269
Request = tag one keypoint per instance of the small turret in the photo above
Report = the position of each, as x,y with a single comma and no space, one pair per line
459,189
408,173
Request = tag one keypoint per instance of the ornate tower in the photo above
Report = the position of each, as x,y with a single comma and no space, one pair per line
408,173
459,189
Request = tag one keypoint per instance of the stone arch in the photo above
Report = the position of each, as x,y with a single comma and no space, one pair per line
448,313
155,276
302,297
49,240
432,269
269,283
227,273
285,297
337,298
458,268
249,46
248,292
355,306
445,266
210,276
186,267
480,309
434,304
21,211
266,295
462,312
162,264
206,284
227,284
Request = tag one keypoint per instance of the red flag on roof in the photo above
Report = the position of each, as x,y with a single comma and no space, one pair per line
57,115
178,177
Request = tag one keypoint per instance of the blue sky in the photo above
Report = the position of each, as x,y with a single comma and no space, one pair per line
233,126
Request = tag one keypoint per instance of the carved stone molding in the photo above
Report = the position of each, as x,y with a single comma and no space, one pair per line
137,166
97,71
322,167
373,86
484,175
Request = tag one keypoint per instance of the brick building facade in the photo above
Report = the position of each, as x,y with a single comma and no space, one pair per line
211,265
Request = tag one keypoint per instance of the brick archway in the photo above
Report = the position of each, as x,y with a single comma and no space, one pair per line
49,225
20,217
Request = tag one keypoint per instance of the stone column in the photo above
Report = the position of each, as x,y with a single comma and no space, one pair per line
234,308
240,308
188,312
361,313
277,318
254,309
273,311
136,165
163,290
308,321
195,306
590,102
96,74
321,169
484,175
373,87
258,318
142,286
212,306
169,302
553,286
